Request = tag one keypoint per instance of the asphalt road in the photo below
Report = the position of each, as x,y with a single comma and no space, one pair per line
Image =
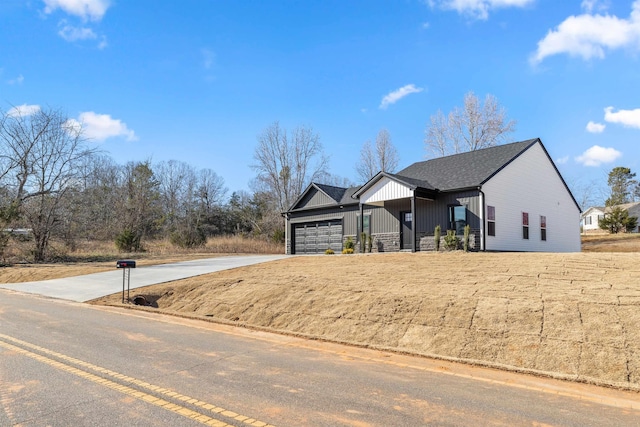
91,286
63,363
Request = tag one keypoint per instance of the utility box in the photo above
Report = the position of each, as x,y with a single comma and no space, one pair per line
125,263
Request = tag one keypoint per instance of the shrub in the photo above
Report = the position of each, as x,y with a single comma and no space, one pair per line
329,252
347,251
451,241
369,243
349,244
436,237
128,241
187,239
467,230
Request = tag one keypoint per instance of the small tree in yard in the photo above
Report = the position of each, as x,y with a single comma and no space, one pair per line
436,237
451,241
467,230
618,220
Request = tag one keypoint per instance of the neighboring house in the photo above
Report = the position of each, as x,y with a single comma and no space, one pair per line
634,210
589,218
512,197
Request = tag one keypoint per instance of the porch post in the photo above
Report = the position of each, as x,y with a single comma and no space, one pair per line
361,227
413,220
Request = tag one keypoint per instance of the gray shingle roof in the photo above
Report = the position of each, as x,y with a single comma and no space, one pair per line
465,170
336,193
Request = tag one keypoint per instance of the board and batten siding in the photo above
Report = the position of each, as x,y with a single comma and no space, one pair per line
383,190
531,184
315,199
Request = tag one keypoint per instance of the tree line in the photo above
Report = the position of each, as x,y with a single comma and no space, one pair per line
57,185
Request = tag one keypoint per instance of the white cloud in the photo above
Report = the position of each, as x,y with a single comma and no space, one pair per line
101,126
23,110
208,58
591,5
71,33
594,127
562,160
397,95
85,9
589,36
103,43
596,155
17,81
628,118
478,9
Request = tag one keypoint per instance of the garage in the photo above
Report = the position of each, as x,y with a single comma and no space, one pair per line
317,237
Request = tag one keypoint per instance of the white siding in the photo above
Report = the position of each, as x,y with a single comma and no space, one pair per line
531,184
594,216
385,189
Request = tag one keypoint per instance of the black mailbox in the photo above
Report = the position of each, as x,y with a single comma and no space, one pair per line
125,263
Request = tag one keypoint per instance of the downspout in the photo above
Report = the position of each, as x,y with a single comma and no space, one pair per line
413,220
483,225
286,233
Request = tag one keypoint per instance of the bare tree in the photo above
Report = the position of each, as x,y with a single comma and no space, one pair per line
287,162
177,185
383,157
470,128
42,152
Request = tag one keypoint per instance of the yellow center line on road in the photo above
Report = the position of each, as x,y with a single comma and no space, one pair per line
18,345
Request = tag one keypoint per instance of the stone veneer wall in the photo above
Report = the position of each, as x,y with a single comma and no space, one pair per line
427,242
386,242
390,242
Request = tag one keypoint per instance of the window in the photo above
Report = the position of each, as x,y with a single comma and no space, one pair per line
587,220
525,225
366,224
457,218
543,228
491,220
408,217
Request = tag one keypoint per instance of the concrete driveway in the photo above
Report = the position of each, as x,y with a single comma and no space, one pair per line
91,286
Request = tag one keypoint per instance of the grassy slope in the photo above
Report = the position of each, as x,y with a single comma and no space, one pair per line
567,315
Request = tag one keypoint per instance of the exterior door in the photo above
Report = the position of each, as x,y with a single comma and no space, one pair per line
406,226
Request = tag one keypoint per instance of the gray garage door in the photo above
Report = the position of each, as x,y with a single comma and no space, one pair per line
317,237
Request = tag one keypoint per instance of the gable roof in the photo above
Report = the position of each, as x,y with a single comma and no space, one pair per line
335,193
338,195
464,170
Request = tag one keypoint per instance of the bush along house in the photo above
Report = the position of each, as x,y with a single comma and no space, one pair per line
512,198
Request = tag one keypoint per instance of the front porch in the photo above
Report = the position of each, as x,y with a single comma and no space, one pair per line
400,215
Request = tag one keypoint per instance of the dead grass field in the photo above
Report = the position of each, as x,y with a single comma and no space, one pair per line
572,316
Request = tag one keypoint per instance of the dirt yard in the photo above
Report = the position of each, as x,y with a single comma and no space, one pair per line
571,316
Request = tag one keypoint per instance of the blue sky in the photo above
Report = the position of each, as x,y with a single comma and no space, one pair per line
198,80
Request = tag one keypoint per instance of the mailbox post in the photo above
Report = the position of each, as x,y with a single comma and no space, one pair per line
126,265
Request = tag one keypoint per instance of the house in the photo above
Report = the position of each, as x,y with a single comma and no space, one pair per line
590,218
512,197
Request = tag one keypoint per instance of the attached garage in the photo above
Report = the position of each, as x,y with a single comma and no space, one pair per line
317,237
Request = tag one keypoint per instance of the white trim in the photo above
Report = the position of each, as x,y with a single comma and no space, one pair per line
383,190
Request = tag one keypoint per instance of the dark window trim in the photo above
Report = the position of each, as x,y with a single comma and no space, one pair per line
451,211
491,221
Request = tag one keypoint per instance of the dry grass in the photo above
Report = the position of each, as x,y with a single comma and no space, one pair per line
95,257
611,243
568,315
572,316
